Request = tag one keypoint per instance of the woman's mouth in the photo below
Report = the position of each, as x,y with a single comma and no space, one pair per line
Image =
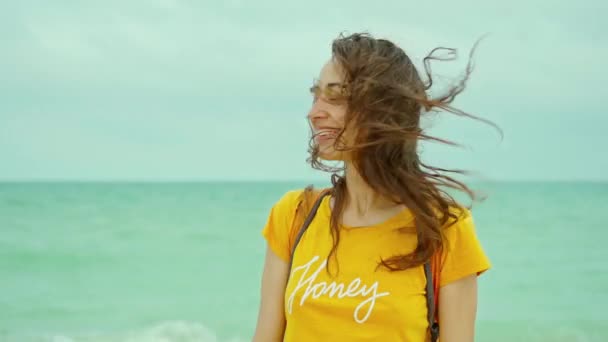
324,135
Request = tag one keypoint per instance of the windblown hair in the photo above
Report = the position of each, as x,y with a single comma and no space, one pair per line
385,98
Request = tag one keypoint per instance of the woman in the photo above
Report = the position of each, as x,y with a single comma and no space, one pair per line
358,272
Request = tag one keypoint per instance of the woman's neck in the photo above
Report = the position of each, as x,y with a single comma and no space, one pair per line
360,197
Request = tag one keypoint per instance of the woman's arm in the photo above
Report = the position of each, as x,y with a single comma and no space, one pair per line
457,310
271,316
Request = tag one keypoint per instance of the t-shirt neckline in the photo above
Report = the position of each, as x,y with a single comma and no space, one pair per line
398,220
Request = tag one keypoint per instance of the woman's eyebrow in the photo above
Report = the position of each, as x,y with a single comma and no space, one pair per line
316,83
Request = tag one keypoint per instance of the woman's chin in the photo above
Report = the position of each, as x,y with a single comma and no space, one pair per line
331,155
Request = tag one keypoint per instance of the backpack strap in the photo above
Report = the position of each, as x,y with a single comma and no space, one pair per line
431,284
307,221
430,302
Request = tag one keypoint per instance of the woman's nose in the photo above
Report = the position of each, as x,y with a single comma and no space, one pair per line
317,111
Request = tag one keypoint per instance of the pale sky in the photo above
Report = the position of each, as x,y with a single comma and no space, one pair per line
184,90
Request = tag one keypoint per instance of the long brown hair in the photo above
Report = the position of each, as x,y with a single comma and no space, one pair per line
385,99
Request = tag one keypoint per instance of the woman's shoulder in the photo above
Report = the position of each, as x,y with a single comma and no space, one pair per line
462,253
288,204
279,226
289,199
285,216
458,214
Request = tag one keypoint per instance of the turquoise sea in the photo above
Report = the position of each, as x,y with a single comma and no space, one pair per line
182,261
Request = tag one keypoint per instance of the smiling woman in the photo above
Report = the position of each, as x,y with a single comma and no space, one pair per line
376,249
333,93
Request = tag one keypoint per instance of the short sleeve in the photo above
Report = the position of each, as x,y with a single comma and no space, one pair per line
279,226
462,254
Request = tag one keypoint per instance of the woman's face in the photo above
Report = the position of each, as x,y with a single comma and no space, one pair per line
327,115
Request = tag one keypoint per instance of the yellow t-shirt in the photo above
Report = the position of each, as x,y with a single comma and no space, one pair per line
361,302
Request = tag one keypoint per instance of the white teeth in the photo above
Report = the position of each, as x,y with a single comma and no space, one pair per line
326,132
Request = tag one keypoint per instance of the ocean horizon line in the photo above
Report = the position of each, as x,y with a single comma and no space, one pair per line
254,181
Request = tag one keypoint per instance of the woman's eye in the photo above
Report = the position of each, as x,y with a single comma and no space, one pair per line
328,94
332,95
